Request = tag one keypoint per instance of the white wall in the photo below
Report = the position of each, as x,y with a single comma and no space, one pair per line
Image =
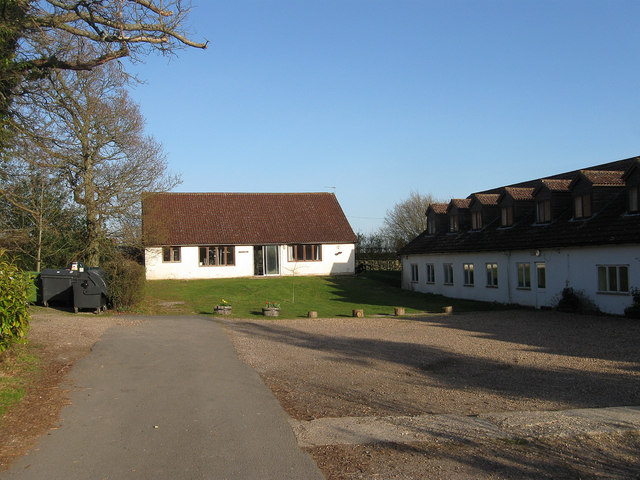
336,260
189,268
576,268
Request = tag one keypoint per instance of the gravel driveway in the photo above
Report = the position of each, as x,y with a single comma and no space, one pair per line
468,364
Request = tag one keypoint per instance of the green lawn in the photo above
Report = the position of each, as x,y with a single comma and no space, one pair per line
377,293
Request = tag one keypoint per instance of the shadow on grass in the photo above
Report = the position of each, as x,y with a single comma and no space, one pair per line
383,289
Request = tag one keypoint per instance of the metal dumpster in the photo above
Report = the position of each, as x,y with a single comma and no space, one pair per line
90,290
56,286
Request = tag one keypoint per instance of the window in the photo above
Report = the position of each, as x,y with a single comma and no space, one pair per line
453,223
304,253
468,274
431,273
633,200
476,220
613,278
170,254
582,206
448,273
431,226
544,211
216,255
507,216
524,275
541,271
492,274
414,272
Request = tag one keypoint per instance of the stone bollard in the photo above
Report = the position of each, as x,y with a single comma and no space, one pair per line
312,314
358,312
398,311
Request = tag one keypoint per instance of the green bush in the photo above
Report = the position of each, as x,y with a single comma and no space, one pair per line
126,282
633,311
15,288
575,301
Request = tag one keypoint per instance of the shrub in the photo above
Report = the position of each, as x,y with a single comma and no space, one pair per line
633,311
575,301
15,288
126,282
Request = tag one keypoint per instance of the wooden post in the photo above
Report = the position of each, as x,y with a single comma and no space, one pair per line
358,312
312,314
447,310
398,311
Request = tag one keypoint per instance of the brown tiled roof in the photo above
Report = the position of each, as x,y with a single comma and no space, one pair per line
460,202
555,184
604,178
439,208
520,193
610,225
244,219
486,198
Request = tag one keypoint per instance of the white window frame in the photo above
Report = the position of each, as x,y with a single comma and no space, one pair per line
414,273
492,275
431,273
448,273
613,278
468,274
541,275
524,275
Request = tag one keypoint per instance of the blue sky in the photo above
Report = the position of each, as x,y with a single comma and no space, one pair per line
380,98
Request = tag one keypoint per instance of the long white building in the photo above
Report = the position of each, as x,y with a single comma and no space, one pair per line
524,243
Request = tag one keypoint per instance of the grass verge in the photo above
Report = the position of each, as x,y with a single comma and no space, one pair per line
377,293
18,367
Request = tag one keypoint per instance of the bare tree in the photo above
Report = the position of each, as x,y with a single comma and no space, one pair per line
406,220
37,223
34,35
84,127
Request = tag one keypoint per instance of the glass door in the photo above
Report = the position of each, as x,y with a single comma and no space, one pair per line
271,263
265,260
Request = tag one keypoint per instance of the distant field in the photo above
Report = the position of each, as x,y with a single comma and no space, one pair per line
377,293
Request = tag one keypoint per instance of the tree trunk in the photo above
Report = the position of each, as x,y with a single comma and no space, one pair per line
93,217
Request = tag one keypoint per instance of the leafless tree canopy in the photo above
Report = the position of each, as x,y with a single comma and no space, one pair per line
407,219
83,126
38,36
117,28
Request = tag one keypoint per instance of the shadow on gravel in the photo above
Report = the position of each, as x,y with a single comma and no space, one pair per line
595,457
505,377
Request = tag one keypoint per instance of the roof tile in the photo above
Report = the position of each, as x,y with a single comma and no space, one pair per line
244,219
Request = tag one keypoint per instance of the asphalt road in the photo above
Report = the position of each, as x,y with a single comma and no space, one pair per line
167,400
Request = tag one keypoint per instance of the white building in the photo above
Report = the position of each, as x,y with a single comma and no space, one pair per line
525,243
222,235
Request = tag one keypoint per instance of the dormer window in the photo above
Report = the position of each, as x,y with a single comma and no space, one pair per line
453,223
544,211
582,206
633,200
431,226
506,216
476,220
